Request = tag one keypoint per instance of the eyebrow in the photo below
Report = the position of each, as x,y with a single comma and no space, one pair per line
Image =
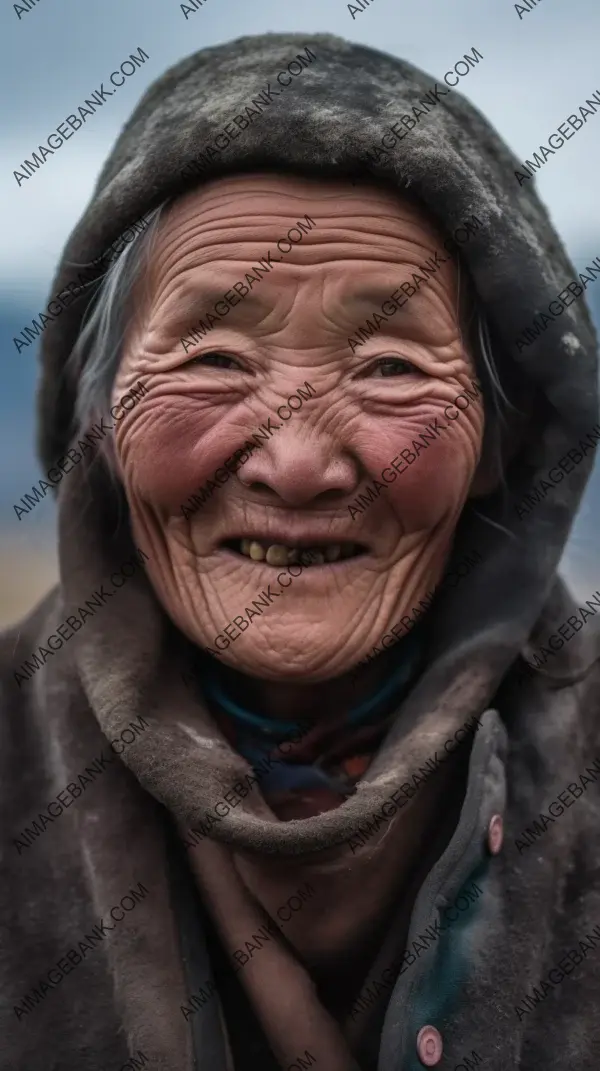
377,294
196,306
200,301
210,294
206,297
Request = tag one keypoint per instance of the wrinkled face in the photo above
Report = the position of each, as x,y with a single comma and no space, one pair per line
292,414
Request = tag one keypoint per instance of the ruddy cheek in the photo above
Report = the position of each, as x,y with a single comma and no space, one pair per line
174,451
429,487
430,476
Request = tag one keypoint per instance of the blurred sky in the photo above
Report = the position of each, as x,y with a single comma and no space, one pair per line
536,71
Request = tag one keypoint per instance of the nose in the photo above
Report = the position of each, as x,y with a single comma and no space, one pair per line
297,469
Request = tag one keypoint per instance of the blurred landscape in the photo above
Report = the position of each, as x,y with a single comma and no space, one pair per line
28,547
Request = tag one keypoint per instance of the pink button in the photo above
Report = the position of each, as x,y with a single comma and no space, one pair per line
495,834
429,1046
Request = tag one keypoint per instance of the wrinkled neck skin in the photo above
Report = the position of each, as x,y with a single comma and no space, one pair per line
207,397
297,701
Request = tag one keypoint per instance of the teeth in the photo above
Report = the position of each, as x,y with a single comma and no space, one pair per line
312,557
278,554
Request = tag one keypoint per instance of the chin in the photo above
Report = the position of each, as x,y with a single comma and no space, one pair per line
299,660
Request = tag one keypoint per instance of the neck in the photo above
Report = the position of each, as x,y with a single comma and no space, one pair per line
297,701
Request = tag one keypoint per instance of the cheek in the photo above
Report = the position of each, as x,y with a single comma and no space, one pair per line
436,468
174,446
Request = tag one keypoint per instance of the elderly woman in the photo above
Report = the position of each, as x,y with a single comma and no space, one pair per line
289,750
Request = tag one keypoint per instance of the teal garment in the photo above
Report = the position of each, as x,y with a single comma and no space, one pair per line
410,654
256,735
438,990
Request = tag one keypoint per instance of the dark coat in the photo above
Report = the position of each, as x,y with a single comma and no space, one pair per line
501,931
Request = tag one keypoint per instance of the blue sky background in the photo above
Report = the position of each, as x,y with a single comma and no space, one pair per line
536,71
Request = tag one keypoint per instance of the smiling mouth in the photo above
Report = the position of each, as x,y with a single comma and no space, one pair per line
279,554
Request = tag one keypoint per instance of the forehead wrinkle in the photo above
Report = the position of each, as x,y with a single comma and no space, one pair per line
315,248
188,300
194,288
377,224
352,243
360,241
359,221
279,188
284,317
366,298
375,293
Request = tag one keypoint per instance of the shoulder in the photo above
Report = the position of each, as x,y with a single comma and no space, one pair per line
20,644
33,695
564,644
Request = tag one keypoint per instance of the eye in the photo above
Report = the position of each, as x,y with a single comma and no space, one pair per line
215,360
391,366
